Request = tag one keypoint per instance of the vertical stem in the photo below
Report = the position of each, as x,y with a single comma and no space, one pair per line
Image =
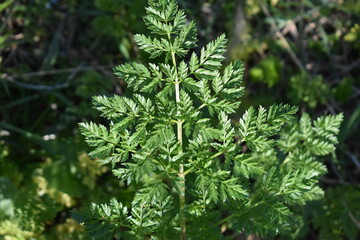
182,204
181,169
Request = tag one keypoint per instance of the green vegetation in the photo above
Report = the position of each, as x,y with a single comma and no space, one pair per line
197,173
56,55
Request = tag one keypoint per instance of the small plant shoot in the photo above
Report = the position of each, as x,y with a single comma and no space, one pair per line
200,174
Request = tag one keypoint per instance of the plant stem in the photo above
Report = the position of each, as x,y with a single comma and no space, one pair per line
181,169
224,220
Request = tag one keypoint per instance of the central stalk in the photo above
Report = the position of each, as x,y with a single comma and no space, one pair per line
181,169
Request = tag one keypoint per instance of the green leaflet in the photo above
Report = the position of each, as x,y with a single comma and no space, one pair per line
190,169
256,128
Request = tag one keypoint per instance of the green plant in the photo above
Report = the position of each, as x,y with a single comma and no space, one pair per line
199,174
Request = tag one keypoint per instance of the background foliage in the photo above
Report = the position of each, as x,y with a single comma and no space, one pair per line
55,55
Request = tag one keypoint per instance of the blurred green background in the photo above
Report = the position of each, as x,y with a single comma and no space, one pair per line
56,54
